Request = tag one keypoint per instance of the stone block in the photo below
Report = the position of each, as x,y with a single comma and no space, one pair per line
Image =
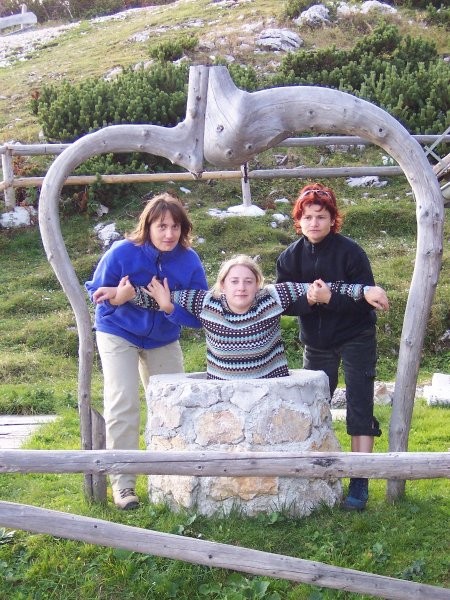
287,414
439,390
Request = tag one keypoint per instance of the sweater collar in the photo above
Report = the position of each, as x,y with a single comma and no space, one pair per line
320,245
162,255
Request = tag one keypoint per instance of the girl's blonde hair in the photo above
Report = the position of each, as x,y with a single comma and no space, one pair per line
155,210
239,259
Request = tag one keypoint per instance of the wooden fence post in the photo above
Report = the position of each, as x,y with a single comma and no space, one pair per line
8,178
245,186
98,482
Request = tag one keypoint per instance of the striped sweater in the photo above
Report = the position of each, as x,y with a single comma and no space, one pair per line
249,345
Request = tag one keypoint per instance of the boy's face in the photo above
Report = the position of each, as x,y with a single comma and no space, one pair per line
316,223
240,287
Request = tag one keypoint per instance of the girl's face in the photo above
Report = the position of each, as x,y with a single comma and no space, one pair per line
165,233
316,223
240,287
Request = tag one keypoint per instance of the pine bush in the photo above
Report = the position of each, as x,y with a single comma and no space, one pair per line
174,49
419,3
66,112
402,75
293,8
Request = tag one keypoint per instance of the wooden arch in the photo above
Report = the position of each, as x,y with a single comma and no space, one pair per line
227,126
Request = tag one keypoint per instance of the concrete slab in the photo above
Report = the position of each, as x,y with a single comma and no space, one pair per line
16,429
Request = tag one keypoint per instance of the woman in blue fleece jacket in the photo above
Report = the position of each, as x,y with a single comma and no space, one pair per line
133,342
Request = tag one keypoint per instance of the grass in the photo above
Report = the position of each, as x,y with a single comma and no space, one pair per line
405,540
92,49
38,373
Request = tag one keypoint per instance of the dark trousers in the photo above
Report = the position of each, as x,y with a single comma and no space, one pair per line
358,357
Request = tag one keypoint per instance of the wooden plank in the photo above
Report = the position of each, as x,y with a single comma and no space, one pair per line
298,173
16,429
321,465
212,554
26,18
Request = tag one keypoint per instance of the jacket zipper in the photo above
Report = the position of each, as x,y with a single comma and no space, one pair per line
319,309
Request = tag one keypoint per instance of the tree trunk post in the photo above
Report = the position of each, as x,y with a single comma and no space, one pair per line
8,178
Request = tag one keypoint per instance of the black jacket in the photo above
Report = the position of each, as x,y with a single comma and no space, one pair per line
336,258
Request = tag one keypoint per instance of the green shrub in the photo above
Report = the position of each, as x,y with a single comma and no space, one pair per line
418,3
438,16
402,75
67,112
88,198
244,77
174,49
293,8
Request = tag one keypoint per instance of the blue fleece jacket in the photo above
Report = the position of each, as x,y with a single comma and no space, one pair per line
142,327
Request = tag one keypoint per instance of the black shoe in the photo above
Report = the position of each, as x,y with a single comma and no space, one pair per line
358,494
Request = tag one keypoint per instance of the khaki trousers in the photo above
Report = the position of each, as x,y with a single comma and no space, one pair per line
123,365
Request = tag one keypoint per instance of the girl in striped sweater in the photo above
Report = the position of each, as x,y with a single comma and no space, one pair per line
241,316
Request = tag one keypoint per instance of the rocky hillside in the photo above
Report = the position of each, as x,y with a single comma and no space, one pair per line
255,32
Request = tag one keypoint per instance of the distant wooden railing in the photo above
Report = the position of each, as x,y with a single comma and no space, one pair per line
24,18
10,181
407,465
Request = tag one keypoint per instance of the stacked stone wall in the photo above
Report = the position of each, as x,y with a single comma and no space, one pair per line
288,414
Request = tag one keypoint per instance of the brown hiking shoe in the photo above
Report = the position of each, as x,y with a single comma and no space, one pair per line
126,499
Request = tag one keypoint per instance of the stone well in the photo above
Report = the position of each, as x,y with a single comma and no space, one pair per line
287,414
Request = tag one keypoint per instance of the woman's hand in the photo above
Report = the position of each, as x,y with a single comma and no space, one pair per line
160,292
116,295
318,293
377,297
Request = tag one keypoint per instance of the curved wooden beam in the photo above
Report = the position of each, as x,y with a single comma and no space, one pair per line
229,127
241,124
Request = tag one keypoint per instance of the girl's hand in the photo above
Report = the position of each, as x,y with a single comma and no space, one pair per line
160,292
104,293
116,295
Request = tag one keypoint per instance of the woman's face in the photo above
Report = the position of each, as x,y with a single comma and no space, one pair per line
240,287
165,233
316,223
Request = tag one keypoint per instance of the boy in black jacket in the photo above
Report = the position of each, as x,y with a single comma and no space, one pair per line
336,330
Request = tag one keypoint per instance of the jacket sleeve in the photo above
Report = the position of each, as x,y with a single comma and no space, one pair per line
107,273
190,301
357,271
287,271
181,315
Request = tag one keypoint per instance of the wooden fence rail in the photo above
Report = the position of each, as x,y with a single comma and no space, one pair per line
407,465
212,554
323,465
20,20
10,181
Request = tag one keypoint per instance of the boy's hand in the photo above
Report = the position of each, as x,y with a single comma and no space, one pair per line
377,297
